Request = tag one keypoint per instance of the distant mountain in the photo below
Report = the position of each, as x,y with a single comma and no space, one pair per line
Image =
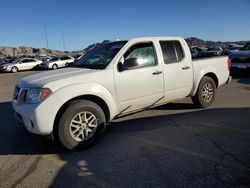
1,47
89,48
192,41
23,50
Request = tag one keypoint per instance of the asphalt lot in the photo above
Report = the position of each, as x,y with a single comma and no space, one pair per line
174,145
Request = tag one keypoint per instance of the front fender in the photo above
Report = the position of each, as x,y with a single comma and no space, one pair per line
76,90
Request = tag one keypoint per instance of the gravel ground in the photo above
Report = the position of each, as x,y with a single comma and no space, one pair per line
175,145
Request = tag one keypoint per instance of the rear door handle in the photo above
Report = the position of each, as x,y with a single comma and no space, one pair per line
185,68
157,72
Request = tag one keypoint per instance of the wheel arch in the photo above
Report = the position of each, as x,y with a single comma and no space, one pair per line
214,77
211,75
55,65
94,98
17,69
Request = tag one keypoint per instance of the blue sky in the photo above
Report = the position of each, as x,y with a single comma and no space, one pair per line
22,22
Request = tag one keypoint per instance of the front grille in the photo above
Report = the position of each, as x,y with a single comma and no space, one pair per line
19,95
238,60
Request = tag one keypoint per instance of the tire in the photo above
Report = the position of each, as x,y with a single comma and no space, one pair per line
79,118
205,93
14,69
54,66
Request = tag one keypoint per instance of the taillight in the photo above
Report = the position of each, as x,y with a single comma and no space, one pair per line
228,64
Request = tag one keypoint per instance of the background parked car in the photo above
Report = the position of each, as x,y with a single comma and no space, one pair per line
3,60
241,59
20,64
235,48
11,59
197,52
47,58
213,51
204,51
57,62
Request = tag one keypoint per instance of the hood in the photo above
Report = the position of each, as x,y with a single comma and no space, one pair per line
57,78
7,64
240,54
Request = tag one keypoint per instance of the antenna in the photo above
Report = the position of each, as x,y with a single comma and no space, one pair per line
63,40
46,36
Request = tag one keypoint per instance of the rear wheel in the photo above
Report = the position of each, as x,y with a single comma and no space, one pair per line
14,69
205,94
81,124
54,66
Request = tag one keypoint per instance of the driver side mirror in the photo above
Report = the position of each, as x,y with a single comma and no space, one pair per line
128,64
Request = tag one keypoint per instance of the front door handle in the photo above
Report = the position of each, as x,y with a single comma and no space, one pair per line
185,68
157,72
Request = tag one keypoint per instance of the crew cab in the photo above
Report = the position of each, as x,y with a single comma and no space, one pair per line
117,78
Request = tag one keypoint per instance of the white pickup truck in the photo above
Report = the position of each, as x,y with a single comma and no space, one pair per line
114,79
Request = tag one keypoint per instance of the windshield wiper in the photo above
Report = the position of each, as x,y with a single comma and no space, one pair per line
90,66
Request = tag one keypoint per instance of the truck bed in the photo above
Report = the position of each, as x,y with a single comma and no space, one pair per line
217,64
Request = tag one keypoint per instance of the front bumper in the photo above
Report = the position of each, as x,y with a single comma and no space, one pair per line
37,118
26,114
4,69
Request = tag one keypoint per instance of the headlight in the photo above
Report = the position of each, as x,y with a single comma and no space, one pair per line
5,67
36,95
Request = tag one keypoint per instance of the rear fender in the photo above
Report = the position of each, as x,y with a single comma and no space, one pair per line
198,77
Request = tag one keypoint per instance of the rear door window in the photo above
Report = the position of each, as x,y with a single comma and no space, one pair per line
172,51
179,51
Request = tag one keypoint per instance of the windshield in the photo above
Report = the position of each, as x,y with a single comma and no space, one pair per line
15,61
101,56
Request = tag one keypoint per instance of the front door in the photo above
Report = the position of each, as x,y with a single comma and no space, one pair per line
142,85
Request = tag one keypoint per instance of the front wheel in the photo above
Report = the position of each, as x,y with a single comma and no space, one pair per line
14,69
81,124
205,93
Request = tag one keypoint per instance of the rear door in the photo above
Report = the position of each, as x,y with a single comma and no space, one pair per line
65,61
61,62
33,63
142,85
178,73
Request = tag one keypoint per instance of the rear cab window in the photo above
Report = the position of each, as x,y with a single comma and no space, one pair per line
172,51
